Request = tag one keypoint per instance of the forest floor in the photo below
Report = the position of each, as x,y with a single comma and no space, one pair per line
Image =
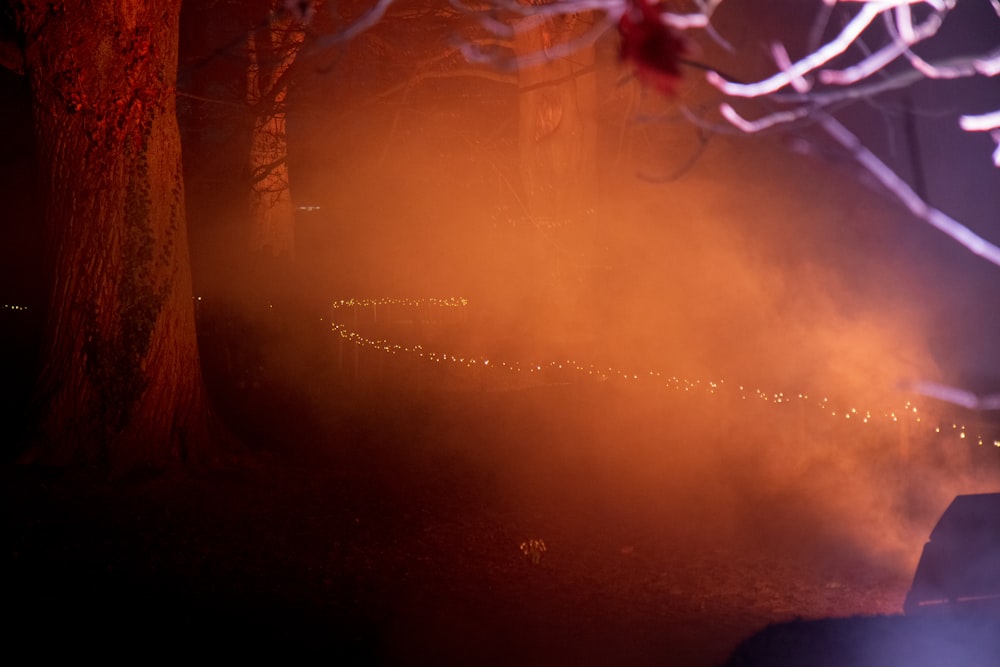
401,535
386,562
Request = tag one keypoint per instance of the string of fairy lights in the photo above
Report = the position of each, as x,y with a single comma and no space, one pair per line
908,413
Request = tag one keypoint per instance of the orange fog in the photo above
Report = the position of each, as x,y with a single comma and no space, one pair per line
714,335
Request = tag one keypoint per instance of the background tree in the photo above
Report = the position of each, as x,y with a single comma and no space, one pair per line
540,158
271,48
236,69
819,60
120,382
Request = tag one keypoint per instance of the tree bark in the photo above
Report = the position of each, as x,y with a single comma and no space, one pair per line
272,49
558,160
558,119
121,383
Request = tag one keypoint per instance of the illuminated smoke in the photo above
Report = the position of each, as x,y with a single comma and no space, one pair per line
722,345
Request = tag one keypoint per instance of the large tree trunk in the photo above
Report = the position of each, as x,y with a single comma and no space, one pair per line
121,383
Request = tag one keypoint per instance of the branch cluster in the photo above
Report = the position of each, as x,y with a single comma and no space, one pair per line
847,68
871,51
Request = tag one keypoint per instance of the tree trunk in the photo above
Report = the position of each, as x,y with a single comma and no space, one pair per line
121,382
558,160
558,119
271,49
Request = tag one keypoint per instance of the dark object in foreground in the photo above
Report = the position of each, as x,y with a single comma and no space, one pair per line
960,564
952,608
926,640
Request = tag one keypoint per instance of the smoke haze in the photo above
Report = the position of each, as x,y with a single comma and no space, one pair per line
783,275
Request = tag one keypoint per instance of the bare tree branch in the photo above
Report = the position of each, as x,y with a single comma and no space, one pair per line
793,86
956,396
360,25
872,53
905,194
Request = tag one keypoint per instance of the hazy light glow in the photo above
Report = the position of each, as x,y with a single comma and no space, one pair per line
584,371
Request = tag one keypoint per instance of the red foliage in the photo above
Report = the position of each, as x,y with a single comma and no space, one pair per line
653,48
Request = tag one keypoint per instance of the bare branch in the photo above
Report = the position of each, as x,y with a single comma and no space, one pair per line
819,57
475,54
956,396
904,193
884,56
363,23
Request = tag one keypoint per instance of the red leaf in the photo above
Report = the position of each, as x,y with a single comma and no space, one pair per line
652,47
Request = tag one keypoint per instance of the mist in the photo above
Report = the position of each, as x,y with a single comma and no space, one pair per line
561,368
716,340
711,341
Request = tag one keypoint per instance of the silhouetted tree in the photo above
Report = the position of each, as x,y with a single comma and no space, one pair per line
271,49
236,69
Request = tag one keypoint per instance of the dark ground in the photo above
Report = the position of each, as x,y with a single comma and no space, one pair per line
392,536
383,562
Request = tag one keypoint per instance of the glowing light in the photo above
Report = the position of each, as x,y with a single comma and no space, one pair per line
450,302
533,549
591,372
9,306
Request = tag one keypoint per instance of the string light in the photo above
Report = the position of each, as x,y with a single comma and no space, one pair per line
592,371
449,302
780,400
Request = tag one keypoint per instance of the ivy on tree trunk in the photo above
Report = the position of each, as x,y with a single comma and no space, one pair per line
121,382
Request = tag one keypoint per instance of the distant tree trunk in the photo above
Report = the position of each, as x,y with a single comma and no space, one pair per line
558,119
558,160
121,383
271,48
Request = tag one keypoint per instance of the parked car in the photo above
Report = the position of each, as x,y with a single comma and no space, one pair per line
959,569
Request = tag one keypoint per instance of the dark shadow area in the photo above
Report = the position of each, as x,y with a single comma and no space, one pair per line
960,564
22,274
388,549
952,608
